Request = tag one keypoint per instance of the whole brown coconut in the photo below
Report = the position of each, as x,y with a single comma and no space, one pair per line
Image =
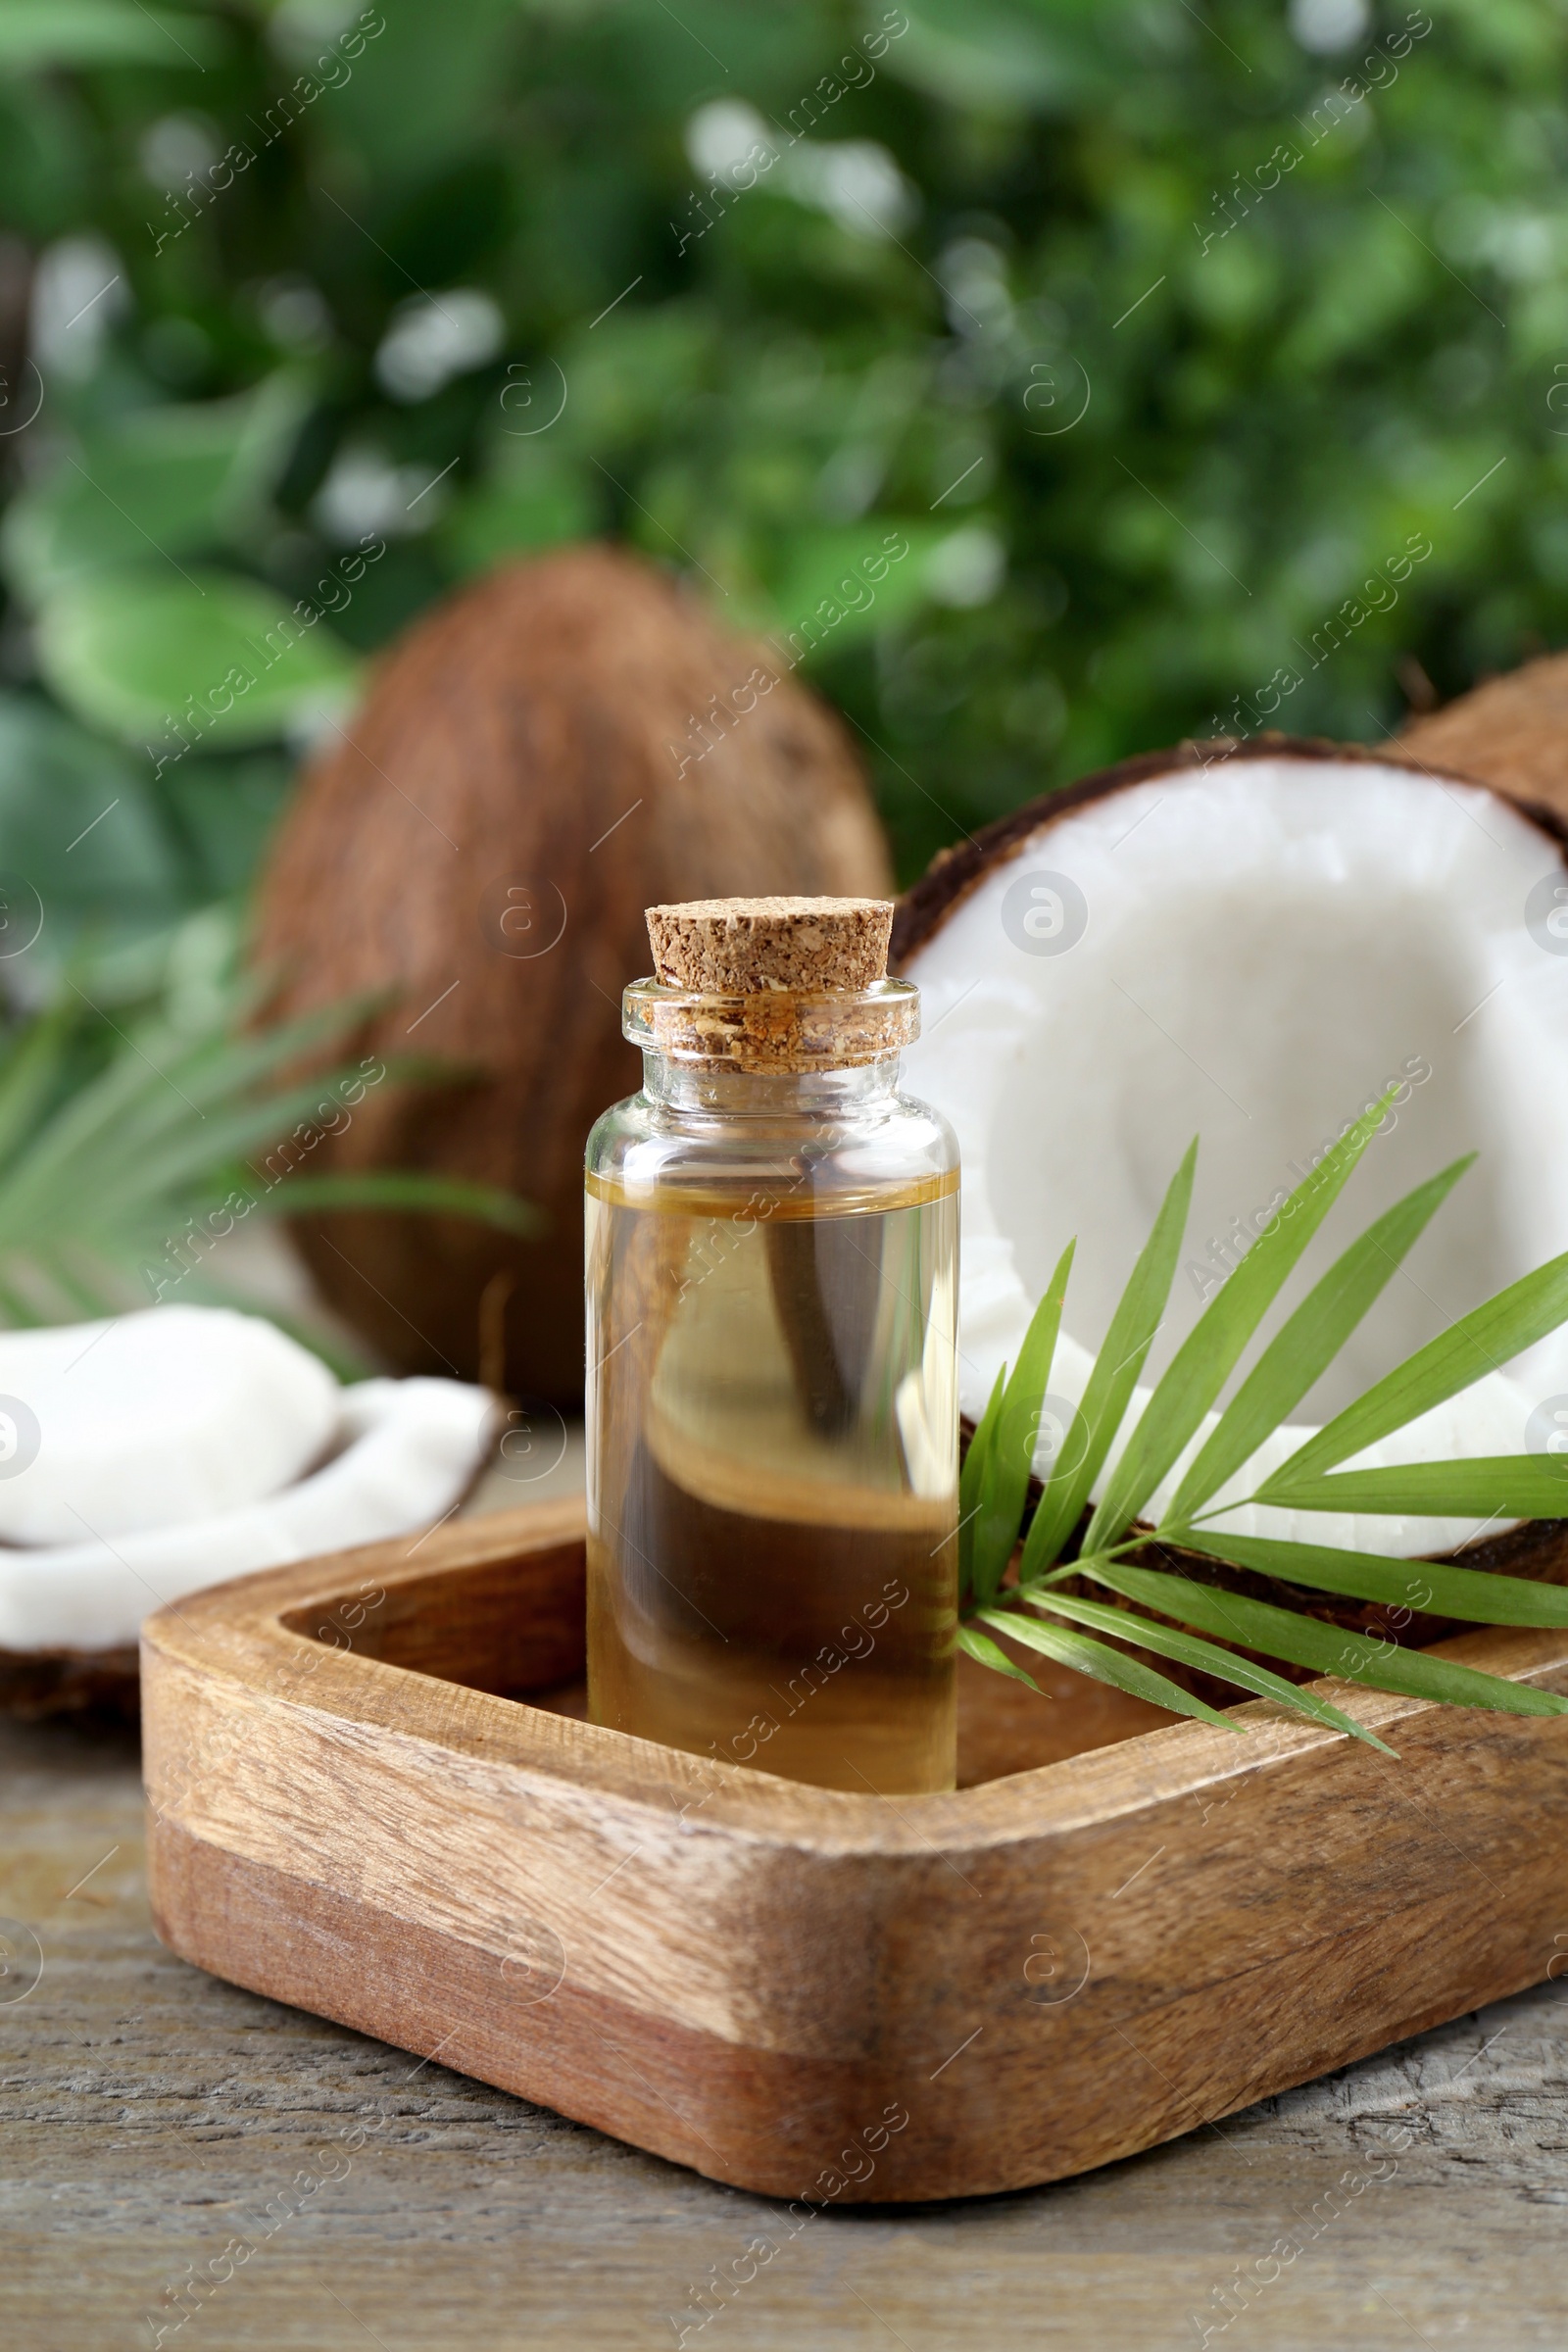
525,776
1509,732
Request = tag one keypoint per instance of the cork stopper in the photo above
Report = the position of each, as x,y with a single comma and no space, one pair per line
742,947
773,985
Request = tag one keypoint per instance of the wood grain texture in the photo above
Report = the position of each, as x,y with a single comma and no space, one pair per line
749,1975
153,2116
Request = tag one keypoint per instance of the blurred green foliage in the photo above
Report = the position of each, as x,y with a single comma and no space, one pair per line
1030,282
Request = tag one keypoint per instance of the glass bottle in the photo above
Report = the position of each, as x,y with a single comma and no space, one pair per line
772,1410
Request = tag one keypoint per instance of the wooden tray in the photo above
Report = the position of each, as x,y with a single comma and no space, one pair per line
816,1995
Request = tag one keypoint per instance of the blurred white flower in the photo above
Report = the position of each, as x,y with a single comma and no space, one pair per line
723,136
78,291
1525,245
177,148
851,479
967,566
973,276
1516,243
296,27
435,337
855,180
1324,26
364,492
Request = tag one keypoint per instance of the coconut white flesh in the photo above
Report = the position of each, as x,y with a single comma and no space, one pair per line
1269,944
171,1414
410,1448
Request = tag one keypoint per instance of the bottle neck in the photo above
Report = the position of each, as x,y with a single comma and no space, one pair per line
716,1091
771,1053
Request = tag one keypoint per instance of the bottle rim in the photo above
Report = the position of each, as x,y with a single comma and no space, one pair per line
773,1029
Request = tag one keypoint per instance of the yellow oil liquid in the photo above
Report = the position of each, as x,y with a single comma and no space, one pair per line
773,1555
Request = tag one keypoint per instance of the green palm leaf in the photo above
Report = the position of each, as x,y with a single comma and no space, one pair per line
988,1654
101,1174
971,1480
1104,1665
1472,1593
30,1073
1478,1344
1207,1355
1189,1650
1497,1486
1202,1614
1137,1317
393,1188
1308,1344
1010,1450
1327,1648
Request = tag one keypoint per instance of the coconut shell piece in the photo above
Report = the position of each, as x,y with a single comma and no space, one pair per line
1509,732
36,1683
525,776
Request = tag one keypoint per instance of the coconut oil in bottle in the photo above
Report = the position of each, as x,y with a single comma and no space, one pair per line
773,1253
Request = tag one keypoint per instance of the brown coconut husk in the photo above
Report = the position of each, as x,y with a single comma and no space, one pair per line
537,729
1509,732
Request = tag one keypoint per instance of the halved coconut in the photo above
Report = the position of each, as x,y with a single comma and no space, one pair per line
407,1450
401,1454
148,1420
1252,943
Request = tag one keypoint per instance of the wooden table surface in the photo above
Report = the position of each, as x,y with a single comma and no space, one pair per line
152,2118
